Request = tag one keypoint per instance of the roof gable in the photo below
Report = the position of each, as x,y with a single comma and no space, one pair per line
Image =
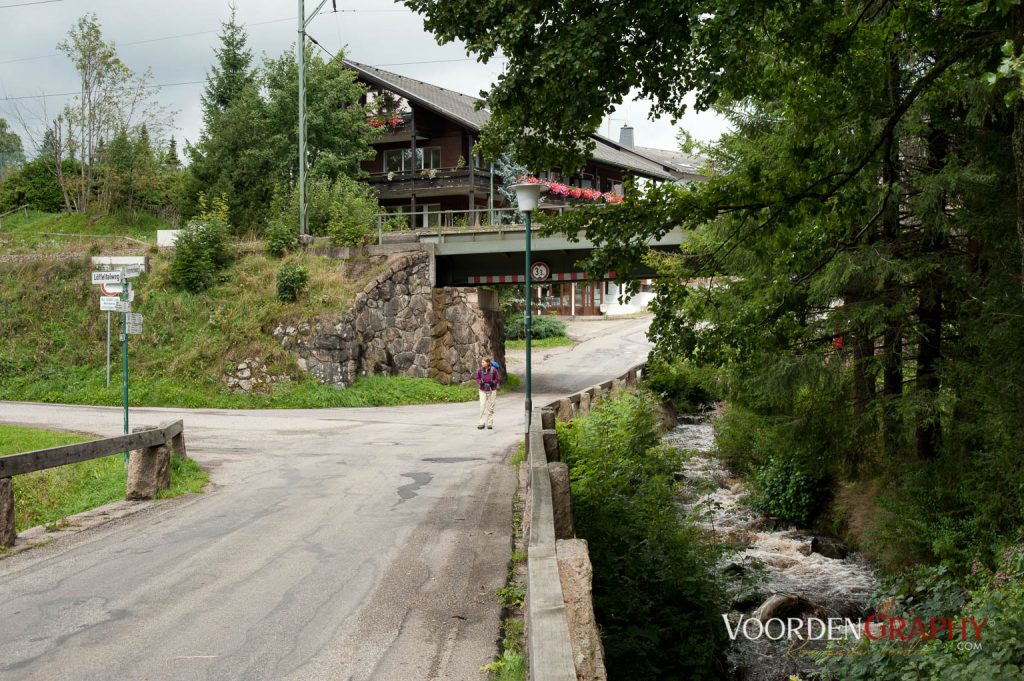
462,109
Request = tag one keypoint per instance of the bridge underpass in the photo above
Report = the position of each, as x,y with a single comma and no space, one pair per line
494,255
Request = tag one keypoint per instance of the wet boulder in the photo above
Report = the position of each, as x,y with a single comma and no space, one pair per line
829,547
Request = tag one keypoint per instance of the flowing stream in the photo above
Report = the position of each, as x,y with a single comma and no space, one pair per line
775,570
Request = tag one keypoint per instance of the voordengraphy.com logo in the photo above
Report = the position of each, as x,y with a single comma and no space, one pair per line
876,627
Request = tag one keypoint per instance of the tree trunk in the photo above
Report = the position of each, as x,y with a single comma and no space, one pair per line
929,352
1017,140
892,336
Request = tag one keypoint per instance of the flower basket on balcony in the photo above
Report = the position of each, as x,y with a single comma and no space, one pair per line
391,122
576,193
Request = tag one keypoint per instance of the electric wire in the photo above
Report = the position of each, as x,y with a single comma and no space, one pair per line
26,4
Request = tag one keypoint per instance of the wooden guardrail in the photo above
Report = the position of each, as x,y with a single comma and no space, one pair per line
549,642
148,466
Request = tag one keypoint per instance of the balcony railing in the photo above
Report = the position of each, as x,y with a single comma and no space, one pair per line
426,222
429,178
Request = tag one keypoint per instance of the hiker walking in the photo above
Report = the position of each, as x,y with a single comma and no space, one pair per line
488,379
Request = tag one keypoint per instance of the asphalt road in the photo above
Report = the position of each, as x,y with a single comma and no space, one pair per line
333,544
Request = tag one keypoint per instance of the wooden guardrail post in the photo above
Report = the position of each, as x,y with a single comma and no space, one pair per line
8,532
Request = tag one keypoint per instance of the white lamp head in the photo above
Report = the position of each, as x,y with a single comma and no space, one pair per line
528,195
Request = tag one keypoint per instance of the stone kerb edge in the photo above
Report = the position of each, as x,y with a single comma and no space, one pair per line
549,647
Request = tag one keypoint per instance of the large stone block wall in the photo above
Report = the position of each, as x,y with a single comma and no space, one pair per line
401,325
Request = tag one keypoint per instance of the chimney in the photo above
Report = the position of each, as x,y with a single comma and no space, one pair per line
626,136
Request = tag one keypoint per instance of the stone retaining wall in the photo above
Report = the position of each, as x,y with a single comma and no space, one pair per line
401,325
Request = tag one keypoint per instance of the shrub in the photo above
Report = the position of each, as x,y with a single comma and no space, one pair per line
682,385
200,251
292,281
999,599
282,235
352,211
782,490
34,184
540,327
655,590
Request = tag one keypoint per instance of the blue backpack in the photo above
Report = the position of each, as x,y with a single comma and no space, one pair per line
497,368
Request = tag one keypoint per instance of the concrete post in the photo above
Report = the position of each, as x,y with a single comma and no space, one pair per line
576,575
565,409
548,419
551,452
561,500
8,532
149,471
584,408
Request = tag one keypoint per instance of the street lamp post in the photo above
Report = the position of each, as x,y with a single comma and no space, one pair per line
527,197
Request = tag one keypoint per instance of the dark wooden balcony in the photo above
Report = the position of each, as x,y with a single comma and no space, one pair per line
429,182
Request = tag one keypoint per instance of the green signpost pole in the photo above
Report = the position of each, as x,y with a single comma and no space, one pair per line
124,353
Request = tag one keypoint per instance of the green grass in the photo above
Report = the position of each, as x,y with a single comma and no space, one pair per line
520,455
52,339
21,232
511,665
510,384
551,342
46,497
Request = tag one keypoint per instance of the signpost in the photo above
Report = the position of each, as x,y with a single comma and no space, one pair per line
107,278
133,323
117,296
124,354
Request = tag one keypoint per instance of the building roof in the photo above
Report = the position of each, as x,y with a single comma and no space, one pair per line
463,109
685,165
446,102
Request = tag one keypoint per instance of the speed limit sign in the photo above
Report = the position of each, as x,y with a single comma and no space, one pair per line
540,271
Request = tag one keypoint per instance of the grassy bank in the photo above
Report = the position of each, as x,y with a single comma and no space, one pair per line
46,497
53,232
552,342
52,338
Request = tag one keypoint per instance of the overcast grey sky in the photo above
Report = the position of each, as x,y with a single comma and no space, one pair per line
376,32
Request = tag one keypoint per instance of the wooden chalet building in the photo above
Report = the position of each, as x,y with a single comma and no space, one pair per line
425,168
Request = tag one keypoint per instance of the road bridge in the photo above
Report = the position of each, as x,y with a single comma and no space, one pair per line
494,255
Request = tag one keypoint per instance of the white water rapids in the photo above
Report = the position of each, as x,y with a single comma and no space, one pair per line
769,559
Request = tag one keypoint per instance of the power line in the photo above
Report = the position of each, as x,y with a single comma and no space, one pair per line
185,35
25,4
78,92
151,40
317,43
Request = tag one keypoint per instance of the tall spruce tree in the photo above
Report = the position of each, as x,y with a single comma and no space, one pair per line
228,159
232,72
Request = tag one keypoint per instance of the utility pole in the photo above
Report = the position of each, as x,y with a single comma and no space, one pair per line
300,55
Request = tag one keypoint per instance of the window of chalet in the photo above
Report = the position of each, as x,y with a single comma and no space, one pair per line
400,160
427,214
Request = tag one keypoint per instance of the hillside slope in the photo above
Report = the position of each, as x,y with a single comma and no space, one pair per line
53,335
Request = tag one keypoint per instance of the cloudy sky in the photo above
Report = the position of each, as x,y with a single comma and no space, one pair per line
176,39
